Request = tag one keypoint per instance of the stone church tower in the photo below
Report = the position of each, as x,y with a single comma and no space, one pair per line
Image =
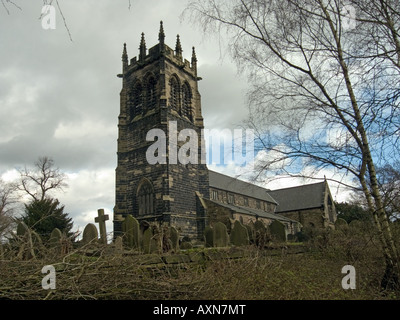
159,91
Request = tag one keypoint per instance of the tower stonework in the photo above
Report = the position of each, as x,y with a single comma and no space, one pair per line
159,91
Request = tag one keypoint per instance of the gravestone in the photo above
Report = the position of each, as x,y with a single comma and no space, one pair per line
278,231
118,243
22,228
101,220
260,233
90,234
174,237
250,231
239,235
220,235
209,237
147,236
24,234
55,238
340,223
156,240
131,229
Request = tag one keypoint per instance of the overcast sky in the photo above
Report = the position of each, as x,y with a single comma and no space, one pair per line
60,98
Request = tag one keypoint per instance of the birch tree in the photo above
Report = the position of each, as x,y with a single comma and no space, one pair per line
324,78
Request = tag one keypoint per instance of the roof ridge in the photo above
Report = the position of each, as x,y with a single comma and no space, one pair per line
299,186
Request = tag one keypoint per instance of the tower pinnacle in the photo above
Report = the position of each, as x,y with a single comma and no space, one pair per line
178,47
142,48
161,34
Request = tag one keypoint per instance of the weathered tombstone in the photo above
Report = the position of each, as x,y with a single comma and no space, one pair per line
260,232
221,238
156,240
250,231
174,237
209,237
90,234
340,223
101,220
55,238
22,228
24,234
186,244
118,243
132,232
147,236
278,231
239,235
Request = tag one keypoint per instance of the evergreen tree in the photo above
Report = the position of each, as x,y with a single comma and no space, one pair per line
44,215
352,211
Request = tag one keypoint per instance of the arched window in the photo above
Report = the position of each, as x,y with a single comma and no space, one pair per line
137,98
174,92
187,101
151,93
145,198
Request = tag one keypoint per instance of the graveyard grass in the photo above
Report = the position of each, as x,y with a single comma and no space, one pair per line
289,271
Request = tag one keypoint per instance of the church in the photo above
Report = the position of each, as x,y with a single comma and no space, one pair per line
160,91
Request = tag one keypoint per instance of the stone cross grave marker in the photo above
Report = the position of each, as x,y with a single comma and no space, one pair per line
101,220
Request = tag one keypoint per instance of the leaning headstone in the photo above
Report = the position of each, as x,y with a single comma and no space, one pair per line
55,238
101,220
209,237
239,235
90,234
278,231
132,231
220,233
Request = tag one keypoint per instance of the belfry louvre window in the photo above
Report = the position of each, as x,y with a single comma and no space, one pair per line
151,93
137,99
187,101
145,198
174,99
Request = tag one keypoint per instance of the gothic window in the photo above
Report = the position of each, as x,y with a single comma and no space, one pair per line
174,87
137,99
151,93
145,198
214,195
187,101
246,201
231,198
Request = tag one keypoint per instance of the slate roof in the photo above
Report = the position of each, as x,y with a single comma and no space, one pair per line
253,212
220,181
299,198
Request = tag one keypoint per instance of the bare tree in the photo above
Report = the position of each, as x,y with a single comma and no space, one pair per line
43,179
325,87
8,200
